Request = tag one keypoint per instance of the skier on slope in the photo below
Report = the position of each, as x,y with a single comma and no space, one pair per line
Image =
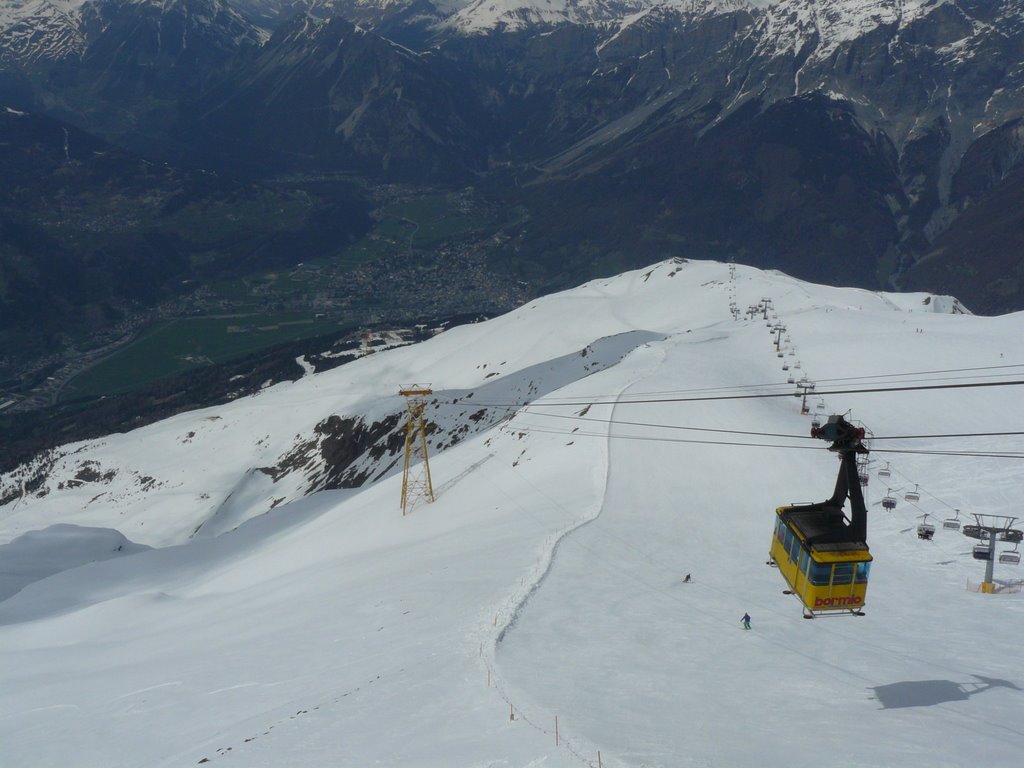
746,621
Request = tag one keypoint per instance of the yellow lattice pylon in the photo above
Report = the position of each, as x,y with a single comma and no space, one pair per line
416,479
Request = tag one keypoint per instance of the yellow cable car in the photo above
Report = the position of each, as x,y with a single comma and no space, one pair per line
821,553
827,577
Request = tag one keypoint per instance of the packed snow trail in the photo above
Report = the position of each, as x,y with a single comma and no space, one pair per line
614,603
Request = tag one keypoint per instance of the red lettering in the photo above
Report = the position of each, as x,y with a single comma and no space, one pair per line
827,602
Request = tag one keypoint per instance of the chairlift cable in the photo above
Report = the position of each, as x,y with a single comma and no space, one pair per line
696,390
574,417
763,395
654,438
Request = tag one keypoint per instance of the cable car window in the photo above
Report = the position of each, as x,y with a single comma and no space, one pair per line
820,574
804,558
788,542
861,576
794,549
843,573
780,531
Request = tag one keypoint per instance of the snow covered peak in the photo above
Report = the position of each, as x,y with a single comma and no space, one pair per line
52,30
39,29
789,23
544,587
507,15
826,24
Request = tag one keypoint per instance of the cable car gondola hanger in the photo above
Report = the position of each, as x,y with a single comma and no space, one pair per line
823,555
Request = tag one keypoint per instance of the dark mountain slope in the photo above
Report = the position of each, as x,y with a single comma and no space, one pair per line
89,232
331,96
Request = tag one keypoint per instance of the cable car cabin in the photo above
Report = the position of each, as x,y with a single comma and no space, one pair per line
828,577
822,554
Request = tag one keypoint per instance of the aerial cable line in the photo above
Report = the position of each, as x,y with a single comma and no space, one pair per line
961,434
928,373
769,386
695,390
574,417
654,438
977,454
875,390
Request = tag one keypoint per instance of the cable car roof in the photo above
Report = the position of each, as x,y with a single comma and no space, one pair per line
824,531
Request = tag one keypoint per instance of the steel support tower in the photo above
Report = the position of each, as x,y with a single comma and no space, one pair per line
416,482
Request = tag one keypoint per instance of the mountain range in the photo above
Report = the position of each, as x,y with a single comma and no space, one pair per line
866,142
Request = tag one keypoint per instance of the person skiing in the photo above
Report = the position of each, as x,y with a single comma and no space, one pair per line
687,579
746,621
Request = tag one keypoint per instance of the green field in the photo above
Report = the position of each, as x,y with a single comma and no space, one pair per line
416,223
182,345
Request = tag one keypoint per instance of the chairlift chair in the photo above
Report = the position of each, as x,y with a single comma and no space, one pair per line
790,380
981,552
884,471
912,495
952,523
889,502
925,530
785,367
1011,558
863,476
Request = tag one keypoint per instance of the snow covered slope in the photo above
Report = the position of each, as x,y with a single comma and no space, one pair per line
545,580
40,29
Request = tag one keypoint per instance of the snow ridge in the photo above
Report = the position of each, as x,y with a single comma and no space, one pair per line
545,580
